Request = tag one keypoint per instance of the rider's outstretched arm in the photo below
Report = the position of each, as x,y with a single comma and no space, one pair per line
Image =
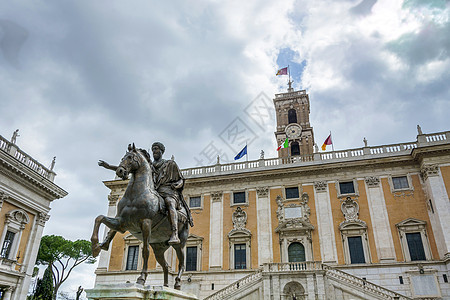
104,164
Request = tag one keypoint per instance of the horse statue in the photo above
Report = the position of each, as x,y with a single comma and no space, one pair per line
141,211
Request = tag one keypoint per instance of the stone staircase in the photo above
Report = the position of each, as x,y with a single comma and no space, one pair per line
337,278
362,285
243,283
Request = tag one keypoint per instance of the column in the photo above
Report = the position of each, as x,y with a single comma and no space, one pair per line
440,220
31,254
380,220
264,226
325,222
103,261
216,231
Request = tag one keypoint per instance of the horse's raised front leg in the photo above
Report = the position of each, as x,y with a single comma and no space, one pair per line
112,223
180,255
159,250
146,232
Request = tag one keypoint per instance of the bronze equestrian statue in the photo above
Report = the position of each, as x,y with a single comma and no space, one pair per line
153,189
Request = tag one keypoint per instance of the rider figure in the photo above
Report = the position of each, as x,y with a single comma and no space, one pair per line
169,184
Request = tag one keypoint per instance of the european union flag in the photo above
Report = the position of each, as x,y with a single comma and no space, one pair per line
241,154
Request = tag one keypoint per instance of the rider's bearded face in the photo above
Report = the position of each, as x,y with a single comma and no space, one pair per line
156,153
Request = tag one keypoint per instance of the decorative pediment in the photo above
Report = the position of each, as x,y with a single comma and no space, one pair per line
193,237
17,217
353,225
411,224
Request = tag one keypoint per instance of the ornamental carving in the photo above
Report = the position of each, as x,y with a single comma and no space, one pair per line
372,181
17,216
320,186
42,218
350,209
262,191
216,197
293,211
3,197
428,171
113,199
239,219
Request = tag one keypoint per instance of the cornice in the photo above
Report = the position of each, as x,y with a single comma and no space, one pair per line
29,178
430,151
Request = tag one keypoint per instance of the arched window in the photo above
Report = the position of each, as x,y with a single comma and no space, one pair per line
296,252
295,149
292,116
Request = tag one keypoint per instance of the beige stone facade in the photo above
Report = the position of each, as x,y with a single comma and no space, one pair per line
366,223
26,191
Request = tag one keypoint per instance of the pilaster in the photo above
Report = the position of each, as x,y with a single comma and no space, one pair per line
264,226
380,221
103,261
325,222
216,232
440,219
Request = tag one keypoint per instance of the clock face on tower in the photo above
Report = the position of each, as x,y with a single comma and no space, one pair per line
293,131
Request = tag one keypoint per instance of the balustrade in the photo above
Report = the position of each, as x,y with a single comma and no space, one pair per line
322,156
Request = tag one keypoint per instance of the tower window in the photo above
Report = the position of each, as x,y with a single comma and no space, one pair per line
295,149
292,116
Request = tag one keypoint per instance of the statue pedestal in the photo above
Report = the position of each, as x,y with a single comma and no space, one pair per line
133,291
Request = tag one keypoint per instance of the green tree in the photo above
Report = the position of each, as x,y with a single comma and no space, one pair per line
62,256
44,287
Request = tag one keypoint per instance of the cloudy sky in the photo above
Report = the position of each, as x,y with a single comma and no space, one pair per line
81,80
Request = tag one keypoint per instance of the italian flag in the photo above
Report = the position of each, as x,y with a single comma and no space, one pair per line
284,145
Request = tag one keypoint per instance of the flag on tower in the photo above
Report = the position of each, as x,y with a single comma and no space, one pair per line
284,145
327,142
283,71
241,154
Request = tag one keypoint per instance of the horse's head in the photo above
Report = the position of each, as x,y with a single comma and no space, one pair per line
129,163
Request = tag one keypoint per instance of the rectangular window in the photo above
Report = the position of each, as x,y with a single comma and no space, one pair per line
240,256
132,258
195,202
238,197
346,187
415,246
356,250
6,248
400,182
292,193
191,258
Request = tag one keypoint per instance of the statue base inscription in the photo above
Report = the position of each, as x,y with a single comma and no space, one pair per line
133,291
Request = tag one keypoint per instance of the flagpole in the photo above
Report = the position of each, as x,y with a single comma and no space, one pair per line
332,144
246,155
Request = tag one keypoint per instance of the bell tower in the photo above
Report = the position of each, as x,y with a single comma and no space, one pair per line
292,112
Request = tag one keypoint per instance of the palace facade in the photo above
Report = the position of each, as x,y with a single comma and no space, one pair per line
365,223
26,192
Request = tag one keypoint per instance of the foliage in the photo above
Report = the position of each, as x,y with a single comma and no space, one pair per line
44,288
62,256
